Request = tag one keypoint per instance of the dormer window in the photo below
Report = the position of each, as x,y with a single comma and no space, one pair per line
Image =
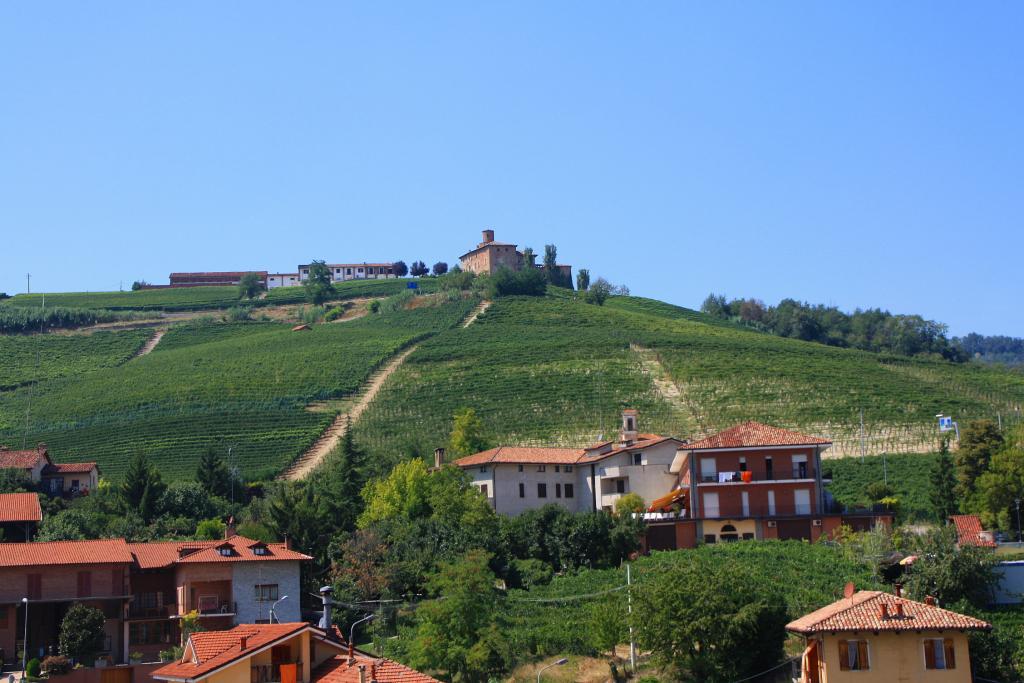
225,550
260,550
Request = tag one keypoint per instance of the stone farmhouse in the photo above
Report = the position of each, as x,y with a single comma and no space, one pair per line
341,272
515,479
144,589
489,255
56,479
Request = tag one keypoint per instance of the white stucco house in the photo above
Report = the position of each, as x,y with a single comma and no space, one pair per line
515,478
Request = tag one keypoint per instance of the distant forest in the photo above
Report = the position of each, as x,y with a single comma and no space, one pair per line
870,330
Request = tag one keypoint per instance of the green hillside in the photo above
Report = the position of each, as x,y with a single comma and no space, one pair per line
245,385
203,298
550,370
38,357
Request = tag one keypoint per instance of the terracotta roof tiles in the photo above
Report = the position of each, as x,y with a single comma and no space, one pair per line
338,670
20,507
970,532
524,455
752,434
216,649
20,460
107,551
862,613
69,468
166,553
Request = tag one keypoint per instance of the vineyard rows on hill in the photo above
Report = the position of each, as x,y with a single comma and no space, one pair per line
243,385
37,357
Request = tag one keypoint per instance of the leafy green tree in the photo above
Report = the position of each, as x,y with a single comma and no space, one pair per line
440,268
213,473
142,486
715,305
598,292
504,282
710,621
629,503
999,488
951,573
583,280
81,633
250,286
418,269
943,483
979,441
296,512
551,271
210,530
607,624
400,269
467,435
458,632
529,258
15,481
191,623
319,287
341,482
878,490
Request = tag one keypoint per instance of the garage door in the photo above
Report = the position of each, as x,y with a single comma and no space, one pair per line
794,529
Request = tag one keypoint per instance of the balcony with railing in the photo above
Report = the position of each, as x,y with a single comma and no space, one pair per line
799,471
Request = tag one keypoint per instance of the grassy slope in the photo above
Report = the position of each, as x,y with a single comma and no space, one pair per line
550,370
244,384
33,358
201,298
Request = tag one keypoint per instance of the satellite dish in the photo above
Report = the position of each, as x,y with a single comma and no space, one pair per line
849,590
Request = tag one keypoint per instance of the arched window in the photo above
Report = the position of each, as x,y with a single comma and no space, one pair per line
729,533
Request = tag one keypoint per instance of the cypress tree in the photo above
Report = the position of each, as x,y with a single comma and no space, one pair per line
212,472
943,481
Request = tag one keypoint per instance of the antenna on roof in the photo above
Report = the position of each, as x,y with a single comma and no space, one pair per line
849,590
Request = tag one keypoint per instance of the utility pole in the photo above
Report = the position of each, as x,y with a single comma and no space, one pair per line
28,283
1017,501
629,609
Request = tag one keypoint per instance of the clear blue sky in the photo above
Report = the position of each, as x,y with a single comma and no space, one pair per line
847,153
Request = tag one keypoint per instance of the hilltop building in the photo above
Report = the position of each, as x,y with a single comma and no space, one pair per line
340,272
875,636
489,255
143,588
57,479
275,280
211,279
751,481
515,479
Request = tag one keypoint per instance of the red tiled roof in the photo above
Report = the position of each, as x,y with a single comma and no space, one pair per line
69,468
20,460
523,454
338,670
862,613
970,532
225,273
166,553
215,649
20,507
645,441
752,434
107,551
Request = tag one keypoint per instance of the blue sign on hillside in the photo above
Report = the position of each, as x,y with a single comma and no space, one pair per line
945,423
412,285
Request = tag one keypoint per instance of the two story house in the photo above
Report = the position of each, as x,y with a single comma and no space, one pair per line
144,589
516,478
56,479
752,481
874,636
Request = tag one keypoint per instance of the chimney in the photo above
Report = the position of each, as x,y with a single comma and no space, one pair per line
242,642
325,619
929,600
628,433
229,529
362,673
352,660
897,588
488,236
883,611
899,610
438,458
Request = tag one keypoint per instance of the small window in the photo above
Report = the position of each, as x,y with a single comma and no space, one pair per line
558,490
709,538
569,491
620,486
542,468
522,490
939,653
266,592
853,655
542,490
743,464
260,550
520,468
483,489
225,551
483,468
558,468
638,458
748,536
568,468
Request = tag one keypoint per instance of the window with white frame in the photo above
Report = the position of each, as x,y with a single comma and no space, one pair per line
266,592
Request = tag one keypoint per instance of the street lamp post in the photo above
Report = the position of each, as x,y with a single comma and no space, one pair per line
273,614
561,662
1017,501
352,629
24,644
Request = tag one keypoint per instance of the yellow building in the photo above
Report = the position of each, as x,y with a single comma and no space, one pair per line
876,637
280,653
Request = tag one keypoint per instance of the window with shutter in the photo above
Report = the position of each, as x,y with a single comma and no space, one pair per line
939,654
84,584
853,655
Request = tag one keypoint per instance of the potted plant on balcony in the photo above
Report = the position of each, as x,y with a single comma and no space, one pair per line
135,657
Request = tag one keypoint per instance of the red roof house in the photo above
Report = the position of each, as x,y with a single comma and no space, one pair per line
970,532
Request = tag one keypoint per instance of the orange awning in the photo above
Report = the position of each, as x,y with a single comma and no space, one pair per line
662,504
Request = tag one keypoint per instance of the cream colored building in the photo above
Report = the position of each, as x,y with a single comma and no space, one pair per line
877,637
